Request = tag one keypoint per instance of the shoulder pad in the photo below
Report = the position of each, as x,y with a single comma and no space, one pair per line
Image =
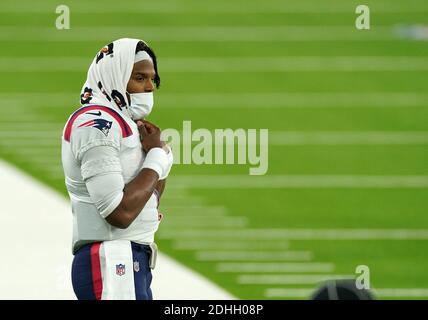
98,117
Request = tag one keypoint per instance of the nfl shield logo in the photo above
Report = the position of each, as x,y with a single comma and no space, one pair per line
120,269
136,266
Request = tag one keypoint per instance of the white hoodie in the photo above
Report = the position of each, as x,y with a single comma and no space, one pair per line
102,151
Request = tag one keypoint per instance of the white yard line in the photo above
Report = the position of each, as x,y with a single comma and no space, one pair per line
401,292
263,267
190,211
253,255
218,7
297,181
294,64
24,142
22,135
219,244
47,152
36,253
203,224
49,162
293,99
202,218
198,33
270,279
289,293
279,138
168,199
300,234
195,207
234,64
347,138
267,100
171,222
31,123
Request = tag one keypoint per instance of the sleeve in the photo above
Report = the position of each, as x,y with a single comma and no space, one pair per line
101,172
89,132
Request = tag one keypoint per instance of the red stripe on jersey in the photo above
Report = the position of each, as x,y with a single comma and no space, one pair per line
97,280
126,129
87,123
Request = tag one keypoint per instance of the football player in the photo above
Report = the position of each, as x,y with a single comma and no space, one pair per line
115,167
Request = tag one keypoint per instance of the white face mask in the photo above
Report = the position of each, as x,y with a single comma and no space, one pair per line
141,105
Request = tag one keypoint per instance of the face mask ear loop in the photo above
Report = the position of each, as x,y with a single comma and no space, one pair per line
128,98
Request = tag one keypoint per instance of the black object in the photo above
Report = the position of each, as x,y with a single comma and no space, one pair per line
344,289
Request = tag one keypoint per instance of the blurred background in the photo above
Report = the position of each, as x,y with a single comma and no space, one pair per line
346,109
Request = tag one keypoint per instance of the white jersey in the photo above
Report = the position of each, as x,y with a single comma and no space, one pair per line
87,129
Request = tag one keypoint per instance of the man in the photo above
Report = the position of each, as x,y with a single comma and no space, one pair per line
115,167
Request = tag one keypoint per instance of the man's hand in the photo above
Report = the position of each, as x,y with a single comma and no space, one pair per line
147,128
149,135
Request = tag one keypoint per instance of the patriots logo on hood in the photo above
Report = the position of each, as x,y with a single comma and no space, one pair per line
101,124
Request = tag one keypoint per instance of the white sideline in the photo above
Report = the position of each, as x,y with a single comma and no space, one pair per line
36,248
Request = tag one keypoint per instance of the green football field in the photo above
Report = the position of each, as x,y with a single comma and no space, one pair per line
346,109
